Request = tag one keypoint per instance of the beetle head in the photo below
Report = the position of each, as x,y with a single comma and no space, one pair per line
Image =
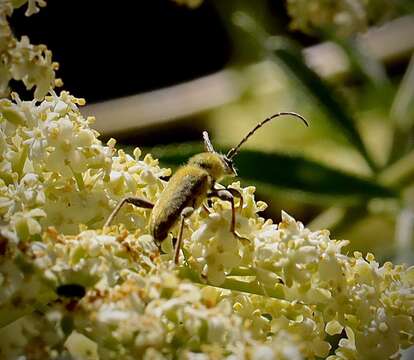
217,165
229,166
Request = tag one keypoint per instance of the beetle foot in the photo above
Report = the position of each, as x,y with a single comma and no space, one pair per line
245,241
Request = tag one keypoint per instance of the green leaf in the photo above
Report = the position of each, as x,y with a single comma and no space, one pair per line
327,99
286,172
402,115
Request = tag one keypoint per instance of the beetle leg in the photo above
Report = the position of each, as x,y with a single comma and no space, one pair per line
237,194
227,196
185,213
142,203
206,208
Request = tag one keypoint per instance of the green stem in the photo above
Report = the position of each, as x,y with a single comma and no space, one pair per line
79,179
235,285
242,271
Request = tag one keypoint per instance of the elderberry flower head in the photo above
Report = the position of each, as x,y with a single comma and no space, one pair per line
281,292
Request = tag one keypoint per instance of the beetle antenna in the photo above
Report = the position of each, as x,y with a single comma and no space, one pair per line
233,151
207,143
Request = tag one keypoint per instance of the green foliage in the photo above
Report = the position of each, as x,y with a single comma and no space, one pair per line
373,79
328,100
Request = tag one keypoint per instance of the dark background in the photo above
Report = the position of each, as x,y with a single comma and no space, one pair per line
117,49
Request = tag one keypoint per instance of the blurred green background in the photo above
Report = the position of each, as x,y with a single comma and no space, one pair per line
352,170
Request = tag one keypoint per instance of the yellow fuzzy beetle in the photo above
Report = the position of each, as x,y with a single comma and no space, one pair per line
190,186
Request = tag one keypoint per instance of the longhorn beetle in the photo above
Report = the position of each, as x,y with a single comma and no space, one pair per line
190,186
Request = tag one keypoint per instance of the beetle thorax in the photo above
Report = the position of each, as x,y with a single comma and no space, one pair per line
213,163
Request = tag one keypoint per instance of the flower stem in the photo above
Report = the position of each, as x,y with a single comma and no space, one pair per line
233,284
22,161
242,271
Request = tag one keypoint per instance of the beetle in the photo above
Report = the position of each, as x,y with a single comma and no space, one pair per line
191,185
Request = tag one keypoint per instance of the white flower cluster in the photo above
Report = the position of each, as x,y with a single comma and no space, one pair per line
144,312
70,288
20,60
329,292
54,170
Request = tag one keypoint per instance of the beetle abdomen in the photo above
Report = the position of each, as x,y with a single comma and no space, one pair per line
187,187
